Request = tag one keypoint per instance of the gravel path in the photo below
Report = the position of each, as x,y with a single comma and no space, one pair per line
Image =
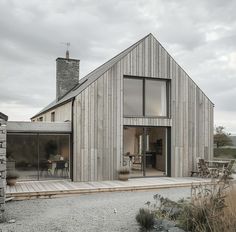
92,212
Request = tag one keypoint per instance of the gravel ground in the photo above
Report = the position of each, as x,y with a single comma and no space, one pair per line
91,212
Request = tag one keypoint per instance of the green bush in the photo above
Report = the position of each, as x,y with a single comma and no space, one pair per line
145,218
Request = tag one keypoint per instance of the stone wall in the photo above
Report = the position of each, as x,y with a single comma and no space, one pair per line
3,119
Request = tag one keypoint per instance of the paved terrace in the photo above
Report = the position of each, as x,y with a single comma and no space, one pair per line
53,188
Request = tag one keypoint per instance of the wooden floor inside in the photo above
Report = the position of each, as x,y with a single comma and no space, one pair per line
52,188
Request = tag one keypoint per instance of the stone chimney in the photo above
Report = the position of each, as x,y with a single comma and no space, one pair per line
67,75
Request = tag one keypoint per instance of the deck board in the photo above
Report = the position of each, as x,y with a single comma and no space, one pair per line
24,188
46,186
30,186
49,188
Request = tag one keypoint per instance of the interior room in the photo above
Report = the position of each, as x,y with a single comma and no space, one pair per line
38,156
145,150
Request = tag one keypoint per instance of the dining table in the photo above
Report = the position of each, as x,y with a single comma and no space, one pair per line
220,164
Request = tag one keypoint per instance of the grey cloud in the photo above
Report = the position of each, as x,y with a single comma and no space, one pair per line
200,35
23,99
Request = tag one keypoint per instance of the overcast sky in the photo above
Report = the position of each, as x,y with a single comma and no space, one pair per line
200,35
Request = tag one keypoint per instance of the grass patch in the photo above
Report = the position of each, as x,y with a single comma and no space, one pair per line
226,153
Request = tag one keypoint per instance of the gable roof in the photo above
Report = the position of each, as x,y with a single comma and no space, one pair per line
95,74
89,78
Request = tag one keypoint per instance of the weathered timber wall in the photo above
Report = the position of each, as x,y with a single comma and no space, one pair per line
99,121
62,114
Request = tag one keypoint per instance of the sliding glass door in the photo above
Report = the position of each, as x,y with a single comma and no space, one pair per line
37,156
145,150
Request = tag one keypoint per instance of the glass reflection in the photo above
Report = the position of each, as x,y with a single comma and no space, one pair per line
22,155
43,156
54,156
133,94
155,98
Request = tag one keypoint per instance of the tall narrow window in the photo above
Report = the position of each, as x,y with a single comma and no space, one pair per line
155,98
53,117
133,97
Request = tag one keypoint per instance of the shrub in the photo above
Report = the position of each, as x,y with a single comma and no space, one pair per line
212,208
145,218
228,219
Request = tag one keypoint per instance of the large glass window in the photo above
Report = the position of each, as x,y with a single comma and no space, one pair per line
38,156
155,98
54,153
145,97
22,155
133,97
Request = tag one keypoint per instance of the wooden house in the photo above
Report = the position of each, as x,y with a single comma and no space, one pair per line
139,109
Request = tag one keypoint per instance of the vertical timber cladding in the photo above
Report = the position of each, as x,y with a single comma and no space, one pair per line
192,123
95,130
98,115
3,119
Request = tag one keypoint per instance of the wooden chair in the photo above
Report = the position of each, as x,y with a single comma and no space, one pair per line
61,166
45,167
137,162
205,171
227,171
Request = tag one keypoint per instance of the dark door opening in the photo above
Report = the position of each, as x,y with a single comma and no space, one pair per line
145,150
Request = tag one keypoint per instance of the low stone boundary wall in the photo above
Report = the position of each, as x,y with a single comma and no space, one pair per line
3,121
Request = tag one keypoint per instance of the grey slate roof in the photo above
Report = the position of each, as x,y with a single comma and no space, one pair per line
3,116
90,78
93,76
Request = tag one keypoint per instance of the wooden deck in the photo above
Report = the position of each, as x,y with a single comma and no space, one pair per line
53,188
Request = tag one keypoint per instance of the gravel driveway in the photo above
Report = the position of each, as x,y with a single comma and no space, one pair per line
91,212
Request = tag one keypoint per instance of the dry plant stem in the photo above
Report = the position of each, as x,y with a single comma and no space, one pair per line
212,207
214,202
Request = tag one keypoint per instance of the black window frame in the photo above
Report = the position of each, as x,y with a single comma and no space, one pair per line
168,96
